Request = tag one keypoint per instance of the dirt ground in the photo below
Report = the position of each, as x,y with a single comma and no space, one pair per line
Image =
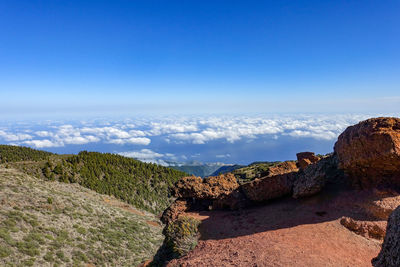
286,232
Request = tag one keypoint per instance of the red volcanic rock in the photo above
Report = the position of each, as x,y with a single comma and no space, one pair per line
371,229
369,152
306,158
208,188
390,253
284,167
383,204
278,183
269,187
175,210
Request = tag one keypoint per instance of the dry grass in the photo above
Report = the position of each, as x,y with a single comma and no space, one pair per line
46,223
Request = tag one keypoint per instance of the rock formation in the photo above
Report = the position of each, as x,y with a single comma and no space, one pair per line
174,210
306,158
369,152
268,188
390,253
313,177
371,229
208,188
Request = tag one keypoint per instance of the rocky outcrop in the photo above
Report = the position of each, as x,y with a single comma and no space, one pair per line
277,183
172,213
282,168
370,229
306,158
383,204
313,178
208,188
390,253
234,201
268,188
369,152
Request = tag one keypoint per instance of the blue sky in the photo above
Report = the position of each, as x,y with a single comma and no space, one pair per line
113,57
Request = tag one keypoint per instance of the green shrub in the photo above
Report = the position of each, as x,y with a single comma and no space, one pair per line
5,252
181,235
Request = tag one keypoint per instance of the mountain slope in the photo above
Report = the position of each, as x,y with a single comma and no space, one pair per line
48,223
144,185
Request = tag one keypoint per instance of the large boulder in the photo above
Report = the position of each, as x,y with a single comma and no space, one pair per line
369,152
209,188
390,252
277,183
313,177
270,187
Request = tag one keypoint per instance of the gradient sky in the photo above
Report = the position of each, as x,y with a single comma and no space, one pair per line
112,57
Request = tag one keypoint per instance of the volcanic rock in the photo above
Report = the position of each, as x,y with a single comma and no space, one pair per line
175,210
306,158
270,187
369,152
390,252
370,229
282,168
208,188
313,178
384,203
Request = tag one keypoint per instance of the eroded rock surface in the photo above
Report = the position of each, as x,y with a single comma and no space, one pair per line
370,229
208,188
268,188
313,178
370,152
175,210
306,158
390,253
383,204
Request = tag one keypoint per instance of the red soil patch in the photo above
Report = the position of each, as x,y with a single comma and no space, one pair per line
153,223
124,206
285,232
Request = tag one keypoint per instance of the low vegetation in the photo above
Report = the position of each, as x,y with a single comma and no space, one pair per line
46,223
253,171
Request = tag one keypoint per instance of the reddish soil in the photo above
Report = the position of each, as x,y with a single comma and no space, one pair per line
286,232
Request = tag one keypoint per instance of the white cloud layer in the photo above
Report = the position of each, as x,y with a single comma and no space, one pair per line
180,129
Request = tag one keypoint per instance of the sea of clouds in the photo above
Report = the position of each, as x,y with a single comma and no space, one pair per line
226,138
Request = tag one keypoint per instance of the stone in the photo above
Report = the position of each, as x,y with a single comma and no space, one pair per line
270,187
313,178
389,255
369,152
370,229
177,208
208,188
306,158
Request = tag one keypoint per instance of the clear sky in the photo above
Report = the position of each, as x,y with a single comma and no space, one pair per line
199,56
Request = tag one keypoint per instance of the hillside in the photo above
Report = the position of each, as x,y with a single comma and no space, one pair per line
226,169
144,185
197,168
48,223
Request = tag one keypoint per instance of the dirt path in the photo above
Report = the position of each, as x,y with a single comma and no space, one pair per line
284,233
